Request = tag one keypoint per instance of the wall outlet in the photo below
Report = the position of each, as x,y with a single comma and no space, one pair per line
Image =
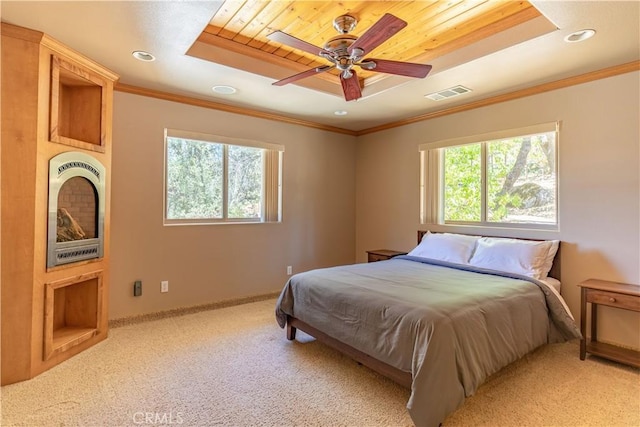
289,270
164,286
137,288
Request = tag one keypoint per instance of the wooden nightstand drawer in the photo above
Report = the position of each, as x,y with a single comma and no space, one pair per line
382,254
376,257
613,299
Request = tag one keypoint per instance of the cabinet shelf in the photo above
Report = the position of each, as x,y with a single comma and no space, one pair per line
78,109
66,337
73,309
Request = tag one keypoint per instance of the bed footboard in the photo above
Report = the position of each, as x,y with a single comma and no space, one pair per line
401,377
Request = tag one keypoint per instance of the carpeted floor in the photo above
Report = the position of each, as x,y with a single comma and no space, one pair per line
234,367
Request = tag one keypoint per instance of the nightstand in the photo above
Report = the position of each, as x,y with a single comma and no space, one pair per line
382,254
611,294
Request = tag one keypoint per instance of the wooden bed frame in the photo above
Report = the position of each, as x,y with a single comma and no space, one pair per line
401,377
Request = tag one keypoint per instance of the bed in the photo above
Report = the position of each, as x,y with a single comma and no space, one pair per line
439,320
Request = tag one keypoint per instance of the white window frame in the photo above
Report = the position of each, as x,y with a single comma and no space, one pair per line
271,185
431,178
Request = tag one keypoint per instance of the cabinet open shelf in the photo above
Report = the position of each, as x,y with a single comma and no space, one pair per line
78,109
66,337
72,312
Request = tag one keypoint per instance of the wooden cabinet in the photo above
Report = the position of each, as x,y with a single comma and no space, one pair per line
612,294
54,101
382,254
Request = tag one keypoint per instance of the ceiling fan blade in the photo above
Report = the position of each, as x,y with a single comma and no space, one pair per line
303,74
409,69
296,43
351,87
378,33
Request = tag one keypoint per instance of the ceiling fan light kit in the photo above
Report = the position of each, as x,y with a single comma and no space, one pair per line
345,51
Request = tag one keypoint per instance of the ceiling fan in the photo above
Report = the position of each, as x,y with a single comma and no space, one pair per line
346,51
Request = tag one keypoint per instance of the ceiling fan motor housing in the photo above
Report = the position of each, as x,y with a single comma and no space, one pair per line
339,44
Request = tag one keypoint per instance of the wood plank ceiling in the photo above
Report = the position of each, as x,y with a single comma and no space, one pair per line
435,28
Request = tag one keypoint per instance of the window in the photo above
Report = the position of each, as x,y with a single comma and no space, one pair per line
506,179
214,179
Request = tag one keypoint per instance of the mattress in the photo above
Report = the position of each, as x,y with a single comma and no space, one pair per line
449,326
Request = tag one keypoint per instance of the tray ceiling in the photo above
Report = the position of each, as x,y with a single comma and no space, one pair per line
527,56
237,34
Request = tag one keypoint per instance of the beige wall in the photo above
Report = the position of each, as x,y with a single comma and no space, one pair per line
599,184
212,263
337,187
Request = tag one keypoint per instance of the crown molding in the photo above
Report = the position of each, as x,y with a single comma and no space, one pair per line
533,90
166,96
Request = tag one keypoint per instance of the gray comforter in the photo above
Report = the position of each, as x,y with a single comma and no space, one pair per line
449,326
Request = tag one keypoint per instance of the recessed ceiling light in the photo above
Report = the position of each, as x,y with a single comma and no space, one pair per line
224,90
143,56
340,113
579,36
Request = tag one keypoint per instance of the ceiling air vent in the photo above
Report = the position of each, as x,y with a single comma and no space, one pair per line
448,93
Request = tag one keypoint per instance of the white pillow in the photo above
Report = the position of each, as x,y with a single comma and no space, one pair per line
525,257
448,247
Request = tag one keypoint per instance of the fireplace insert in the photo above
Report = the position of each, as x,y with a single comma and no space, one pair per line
76,208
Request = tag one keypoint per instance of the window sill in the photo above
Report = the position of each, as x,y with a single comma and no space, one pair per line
203,222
